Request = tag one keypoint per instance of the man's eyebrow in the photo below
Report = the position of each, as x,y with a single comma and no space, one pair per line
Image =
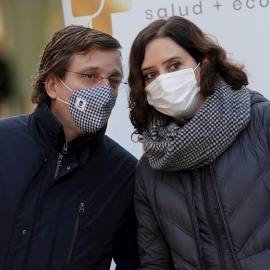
117,72
90,68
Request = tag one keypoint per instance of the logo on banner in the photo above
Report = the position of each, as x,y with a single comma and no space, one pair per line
100,11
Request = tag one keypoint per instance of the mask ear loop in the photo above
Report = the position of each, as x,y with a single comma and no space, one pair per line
64,84
196,67
67,88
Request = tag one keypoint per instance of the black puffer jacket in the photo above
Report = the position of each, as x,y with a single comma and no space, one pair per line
217,217
58,210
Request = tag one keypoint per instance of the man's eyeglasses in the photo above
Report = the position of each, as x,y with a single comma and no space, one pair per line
91,80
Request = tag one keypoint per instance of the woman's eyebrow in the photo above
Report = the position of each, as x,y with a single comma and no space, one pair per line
165,62
172,58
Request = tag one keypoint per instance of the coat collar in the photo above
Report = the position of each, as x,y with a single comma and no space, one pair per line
52,132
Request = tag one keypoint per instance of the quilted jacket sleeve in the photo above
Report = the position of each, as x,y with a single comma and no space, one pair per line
153,249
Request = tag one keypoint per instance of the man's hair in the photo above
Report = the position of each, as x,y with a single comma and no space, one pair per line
57,55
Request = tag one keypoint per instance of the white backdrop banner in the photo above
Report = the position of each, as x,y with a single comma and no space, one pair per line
242,27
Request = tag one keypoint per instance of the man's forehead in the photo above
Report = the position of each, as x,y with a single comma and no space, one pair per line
97,60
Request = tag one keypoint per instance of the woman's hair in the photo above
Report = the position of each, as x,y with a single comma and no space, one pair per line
57,55
197,44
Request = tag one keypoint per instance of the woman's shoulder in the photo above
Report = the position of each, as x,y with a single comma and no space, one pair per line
256,97
144,169
260,107
143,163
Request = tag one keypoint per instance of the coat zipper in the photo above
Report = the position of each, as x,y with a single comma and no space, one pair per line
75,233
60,157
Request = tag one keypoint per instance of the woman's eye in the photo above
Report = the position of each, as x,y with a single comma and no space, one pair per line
175,66
149,76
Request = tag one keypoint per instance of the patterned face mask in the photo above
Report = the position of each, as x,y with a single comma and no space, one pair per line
91,108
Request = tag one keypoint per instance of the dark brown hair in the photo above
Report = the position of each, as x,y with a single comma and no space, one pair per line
197,44
58,53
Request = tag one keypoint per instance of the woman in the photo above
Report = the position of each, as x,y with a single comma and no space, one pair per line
203,186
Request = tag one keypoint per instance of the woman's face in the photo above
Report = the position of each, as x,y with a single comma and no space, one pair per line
163,55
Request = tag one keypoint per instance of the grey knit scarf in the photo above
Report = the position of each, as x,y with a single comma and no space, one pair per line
171,147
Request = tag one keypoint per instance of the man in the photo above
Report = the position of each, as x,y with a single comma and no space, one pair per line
66,188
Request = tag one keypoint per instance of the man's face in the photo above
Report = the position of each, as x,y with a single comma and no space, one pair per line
98,63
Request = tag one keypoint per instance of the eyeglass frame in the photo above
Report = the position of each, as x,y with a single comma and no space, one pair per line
101,78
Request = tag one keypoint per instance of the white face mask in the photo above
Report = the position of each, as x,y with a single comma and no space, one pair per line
91,108
175,94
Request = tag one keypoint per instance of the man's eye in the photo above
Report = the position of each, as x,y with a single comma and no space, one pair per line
88,75
115,79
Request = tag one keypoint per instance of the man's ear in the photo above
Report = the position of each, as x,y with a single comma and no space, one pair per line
50,86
